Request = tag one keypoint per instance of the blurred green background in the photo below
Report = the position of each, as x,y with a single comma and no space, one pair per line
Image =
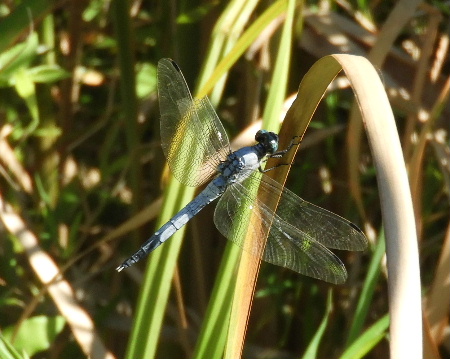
82,170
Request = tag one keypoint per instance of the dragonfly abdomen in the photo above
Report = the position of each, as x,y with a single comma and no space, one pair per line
209,194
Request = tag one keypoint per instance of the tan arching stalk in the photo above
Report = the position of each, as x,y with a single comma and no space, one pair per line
395,198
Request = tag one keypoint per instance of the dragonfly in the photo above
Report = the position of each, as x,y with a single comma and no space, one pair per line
197,148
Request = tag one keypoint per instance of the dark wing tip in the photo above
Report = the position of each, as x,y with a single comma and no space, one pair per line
355,227
362,238
175,65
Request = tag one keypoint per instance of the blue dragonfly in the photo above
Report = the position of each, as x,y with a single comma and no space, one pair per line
197,148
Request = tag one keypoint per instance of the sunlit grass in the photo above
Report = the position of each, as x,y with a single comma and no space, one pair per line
82,173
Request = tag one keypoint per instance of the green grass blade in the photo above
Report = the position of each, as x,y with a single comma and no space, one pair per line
313,347
143,341
368,340
226,33
158,280
365,299
129,102
215,329
249,268
211,341
277,92
242,44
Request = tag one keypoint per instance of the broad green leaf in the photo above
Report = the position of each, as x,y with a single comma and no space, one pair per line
26,89
18,56
93,9
47,74
23,83
48,132
36,333
146,80
7,350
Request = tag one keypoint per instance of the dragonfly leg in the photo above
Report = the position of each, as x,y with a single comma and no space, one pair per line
280,154
272,168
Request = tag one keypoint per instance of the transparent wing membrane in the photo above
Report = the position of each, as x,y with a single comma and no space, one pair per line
324,226
195,143
192,136
293,241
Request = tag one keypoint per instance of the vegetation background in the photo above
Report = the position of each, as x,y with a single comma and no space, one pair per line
83,178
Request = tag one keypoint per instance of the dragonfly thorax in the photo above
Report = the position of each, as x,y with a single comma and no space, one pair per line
240,164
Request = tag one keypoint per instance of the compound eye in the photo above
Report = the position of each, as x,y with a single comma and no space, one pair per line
273,146
260,135
271,142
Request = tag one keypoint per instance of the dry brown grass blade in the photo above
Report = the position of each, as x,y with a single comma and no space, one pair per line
9,159
430,349
398,18
396,206
311,91
415,162
439,296
398,216
420,77
60,290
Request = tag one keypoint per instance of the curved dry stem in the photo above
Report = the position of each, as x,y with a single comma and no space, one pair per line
395,23
396,204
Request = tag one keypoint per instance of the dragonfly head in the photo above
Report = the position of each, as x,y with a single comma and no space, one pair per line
268,139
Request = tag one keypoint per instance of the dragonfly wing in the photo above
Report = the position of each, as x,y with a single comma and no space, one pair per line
291,248
192,136
286,246
324,226
233,218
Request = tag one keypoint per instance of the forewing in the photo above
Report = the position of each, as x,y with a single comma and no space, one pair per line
192,136
286,245
323,226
